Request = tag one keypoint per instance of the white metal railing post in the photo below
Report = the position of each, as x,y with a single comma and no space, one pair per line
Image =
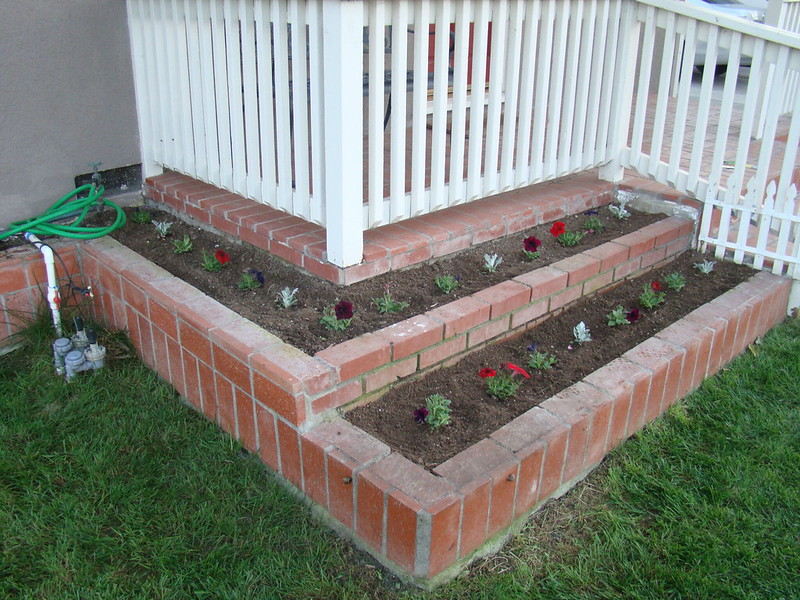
342,42
624,79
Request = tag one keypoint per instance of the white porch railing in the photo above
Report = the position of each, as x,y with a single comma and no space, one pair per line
357,114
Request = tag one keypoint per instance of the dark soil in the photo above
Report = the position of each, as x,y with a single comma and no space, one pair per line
475,415
300,325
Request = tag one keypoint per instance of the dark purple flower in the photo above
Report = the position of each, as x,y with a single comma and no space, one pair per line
531,348
531,244
589,213
421,414
343,310
258,275
632,315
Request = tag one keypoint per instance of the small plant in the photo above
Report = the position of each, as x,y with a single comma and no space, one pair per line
491,262
503,385
706,266
286,298
182,246
250,280
162,227
388,305
581,333
338,317
620,212
651,296
141,215
675,281
213,263
618,316
570,238
530,247
438,411
446,283
593,225
542,361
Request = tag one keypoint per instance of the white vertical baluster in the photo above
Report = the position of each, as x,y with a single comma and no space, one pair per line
766,210
398,119
684,87
297,18
703,109
542,90
730,199
158,20
342,31
317,214
235,100
375,99
723,128
785,184
494,110
459,114
587,50
511,104
419,117
250,94
555,100
622,99
283,130
593,96
643,89
184,147
265,103
145,87
608,70
750,203
480,51
222,106
209,116
530,39
440,93
663,96
570,86
195,68
788,208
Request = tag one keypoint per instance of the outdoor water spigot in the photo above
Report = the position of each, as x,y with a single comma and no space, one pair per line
97,178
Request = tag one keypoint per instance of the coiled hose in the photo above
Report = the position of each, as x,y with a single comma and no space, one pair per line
67,207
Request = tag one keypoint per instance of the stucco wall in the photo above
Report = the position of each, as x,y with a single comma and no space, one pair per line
66,98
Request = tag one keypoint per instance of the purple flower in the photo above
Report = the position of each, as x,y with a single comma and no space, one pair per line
258,275
343,310
421,414
531,244
632,315
531,348
591,212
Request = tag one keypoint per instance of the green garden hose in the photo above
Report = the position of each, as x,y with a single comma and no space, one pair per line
67,207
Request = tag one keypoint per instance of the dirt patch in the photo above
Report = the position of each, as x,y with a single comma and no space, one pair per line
300,325
475,415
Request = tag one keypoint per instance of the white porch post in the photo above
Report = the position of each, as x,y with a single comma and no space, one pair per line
623,91
342,36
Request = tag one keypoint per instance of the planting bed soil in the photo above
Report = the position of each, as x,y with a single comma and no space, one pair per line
475,415
300,325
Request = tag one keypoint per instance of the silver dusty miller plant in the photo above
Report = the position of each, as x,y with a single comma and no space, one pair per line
491,262
619,211
286,298
581,333
162,227
706,266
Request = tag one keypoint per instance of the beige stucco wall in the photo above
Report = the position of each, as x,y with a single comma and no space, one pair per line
66,98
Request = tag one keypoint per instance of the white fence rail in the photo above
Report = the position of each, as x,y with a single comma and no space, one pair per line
358,114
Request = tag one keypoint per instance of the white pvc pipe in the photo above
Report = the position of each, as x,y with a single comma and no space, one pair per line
53,297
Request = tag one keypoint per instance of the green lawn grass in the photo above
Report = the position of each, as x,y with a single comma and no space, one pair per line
111,488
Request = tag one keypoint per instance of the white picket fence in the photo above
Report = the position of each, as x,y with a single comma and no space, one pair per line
358,114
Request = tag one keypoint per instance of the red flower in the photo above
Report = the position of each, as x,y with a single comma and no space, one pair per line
531,244
517,369
484,373
557,229
633,315
222,257
343,310
656,286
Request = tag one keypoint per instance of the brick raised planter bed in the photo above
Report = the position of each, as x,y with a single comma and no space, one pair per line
281,402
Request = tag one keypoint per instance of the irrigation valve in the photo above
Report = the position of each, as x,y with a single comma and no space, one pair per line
70,359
